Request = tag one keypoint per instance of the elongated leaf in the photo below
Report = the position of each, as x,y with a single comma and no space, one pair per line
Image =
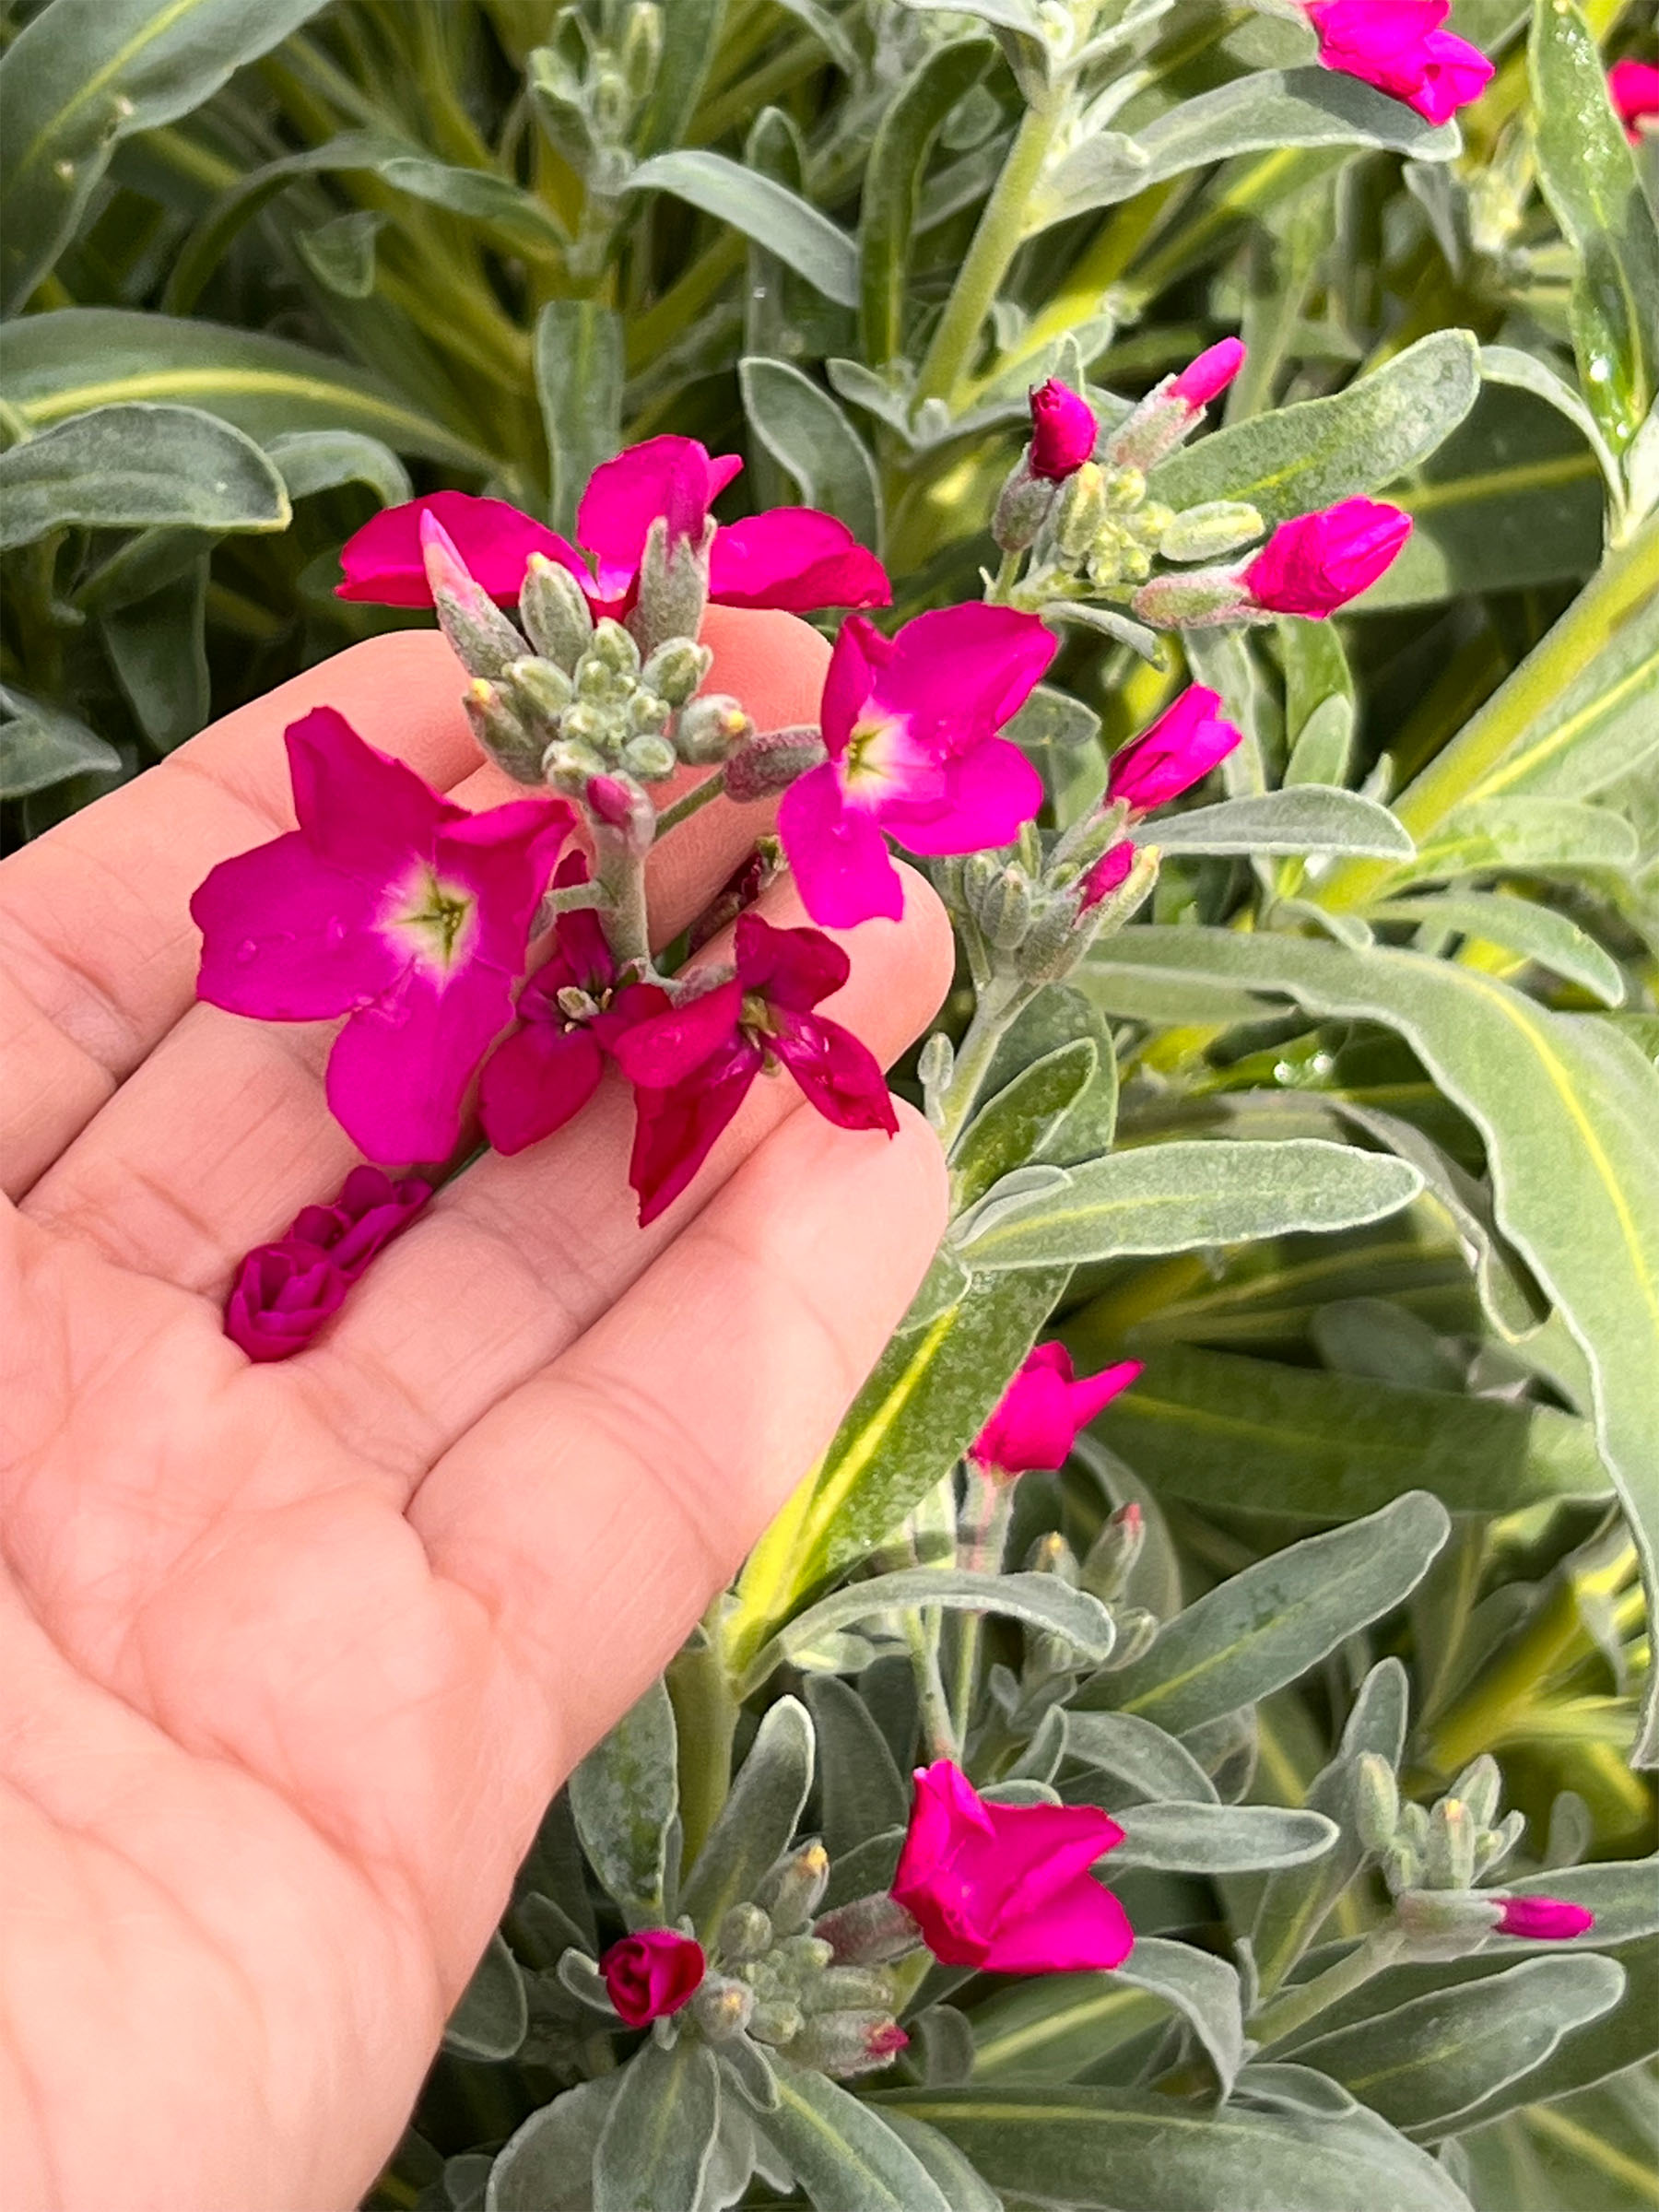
758,1820
1309,817
579,377
958,2183
313,461
61,364
42,745
659,2135
763,209
1568,1111
1154,1764
548,2165
1204,1989
1319,451
1110,2147
1520,830
625,1794
843,2152
898,156
1051,2027
808,435
1254,1435
1250,1635
1020,1122
158,648
86,73
690,39
1526,372
1221,1838
1554,940
493,2012
862,1792
127,467
1597,2150
1169,1197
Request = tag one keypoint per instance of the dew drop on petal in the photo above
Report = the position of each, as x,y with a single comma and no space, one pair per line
247,950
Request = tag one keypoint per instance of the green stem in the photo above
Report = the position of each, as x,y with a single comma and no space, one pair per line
705,1715
621,875
938,1731
1297,2007
992,1018
689,802
1003,583
990,1504
995,243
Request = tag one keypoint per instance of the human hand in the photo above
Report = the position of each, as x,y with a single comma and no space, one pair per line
296,1654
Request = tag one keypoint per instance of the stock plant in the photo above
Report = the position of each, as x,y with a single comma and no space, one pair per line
1261,1492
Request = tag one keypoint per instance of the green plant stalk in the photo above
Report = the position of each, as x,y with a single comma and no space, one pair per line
689,803
938,1728
992,1018
705,1717
1297,2007
621,875
990,1504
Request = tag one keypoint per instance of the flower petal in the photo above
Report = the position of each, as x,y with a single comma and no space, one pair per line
989,793
667,1049
287,937
841,865
859,655
675,1130
1081,1927
504,856
535,1081
624,497
838,1073
384,565
957,673
791,968
400,1069
1094,1391
360,810
793,558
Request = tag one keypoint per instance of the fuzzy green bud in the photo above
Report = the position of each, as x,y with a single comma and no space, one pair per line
640,49
845,2044
841,1988
1376,1802
1137,1633
744,1933
650,757
1448,1855
1123,488
1113,1553
710,728
1005,908
771,762
776,2020
1493,1845
1209,532
1201,600
1480,1786
538,688
1082,509
1023,506
500,733
869,1931
674,587
569,765
675,671
1444,1925
613,648
791,1890
722,2008
554,611
1401,1867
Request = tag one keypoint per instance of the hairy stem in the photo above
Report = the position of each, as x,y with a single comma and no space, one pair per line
1297,2007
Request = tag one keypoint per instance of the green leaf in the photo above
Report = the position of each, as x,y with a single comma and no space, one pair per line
158,650
1138,1754
514,217
493,2012
84,74
1595,2151
1204,1990
127,467
1104,2147
954,2175
1269,110
1526,372
1169,1197
1568,1112
862,1790
42,745
1265,1626
763,209
1053,2025
1321,450
548,2165
1431,2060
1309,817
625,1795
61,364
691,40
1524,831
313,461
340,254
1022,1120
659,2135
892,179
1554,940
1221,1838
1250,1435
807,434
843,2152
579,379
759,1818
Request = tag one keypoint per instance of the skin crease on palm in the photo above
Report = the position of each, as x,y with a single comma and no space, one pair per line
294,1656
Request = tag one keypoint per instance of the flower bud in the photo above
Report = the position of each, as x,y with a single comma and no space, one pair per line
624,810
648,713
1052,1554
567,764
1206,533
1401,1865
1137,1633
1064,430
845,2044
790,1892
640,48
1209,375
1082,511
613,648
539,689
1480,1786
1022,507
1445,1923
744,1933
673,586
1376,1803
652,758
1108,874
771,762
1201,600
869,1931
844,1988
1005,909
677,670
1493,1845
1172,408
722,2008
1449,1854
500,733
1543,1919
1113,1553
1316,563
554,611
480,636
710,728
652,1975
776,2020
610,103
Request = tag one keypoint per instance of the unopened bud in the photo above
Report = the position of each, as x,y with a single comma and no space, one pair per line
845,2044
554,611
1480,1786
1376,1803
1052,1554
500,733
1082,511
1493,1845
538,688
673,586
869,1931
771,762
1125,488
568,765
744,1933
790,1891
648,713
723,2007
1201,600
1206,533
1401,1865
1448,1855
1156,428
613,648
610,103
776,2020
844,1988
618,806
480,636
710,728
676,670
1112,1556
1022,507
1137,1633
652,758
1005,909
640,50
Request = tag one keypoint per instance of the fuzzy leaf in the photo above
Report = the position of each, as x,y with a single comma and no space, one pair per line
492,2012
579,378
625,1794
659,2135
1221,1838
130,466
1307,817
758,1821
844,2153
763,209
808,435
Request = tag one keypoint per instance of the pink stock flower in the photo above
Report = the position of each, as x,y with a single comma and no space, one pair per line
910,725
1209,375
1042,1410
1007,1888
691,1065
369,1211
1543,1919
1318,562
1110,870
1064,430
392,906
1178,750
282,1295
789,557
653,1973
545,1073
1398,47
1633,87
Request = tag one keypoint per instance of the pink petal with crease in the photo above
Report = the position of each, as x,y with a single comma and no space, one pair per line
400,1069
989,793
841,865
286,939
384,565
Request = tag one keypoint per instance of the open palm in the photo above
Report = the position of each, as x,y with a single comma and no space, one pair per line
295,1655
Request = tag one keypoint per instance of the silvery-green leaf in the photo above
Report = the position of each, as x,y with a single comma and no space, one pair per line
1169,1197
128,466
659,2134
731,2165
870,1867
758,1821
819,20
492,2012
962,2188
892,177
1153,1764
1555,941
520,220
579,378
691,40
751,2068
942,2044
1108,622
862,1790
843,2154
1265,1626
809,437
1051,2027
42,745
548,2165
313,461
1599,2147
1525,831
1283,2087
1509,365
1309,817
875,394
1220,1839
625,1794
541,1930
1204,1989
1054,718
1022,1118
763,209
157,648
1320,754
340,254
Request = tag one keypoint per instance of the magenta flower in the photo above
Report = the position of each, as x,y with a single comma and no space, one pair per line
392,906
910,726
1543,1919
545,1073
1209,375
1177,751
1399,47
653,1973
1041,1411
369,1211
691,1065
282,1295
1110,870
1318,562
1633,87
1064,430
1007,1888
791,557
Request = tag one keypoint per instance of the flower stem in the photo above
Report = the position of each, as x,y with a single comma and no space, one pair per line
705,1715
681,809
621,874
922,1633
1307,2000
989,1505
991,1018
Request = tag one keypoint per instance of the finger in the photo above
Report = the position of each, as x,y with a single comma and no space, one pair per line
212,1145
631,1476
520,1256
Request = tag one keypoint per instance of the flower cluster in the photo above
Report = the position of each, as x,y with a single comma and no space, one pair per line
285,1291
1401,47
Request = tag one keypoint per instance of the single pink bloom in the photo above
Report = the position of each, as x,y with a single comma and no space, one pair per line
1318,562
796,559
1543,1919
1633,87
691,1065
392,906
282,1295
1110,870
1178,750
1007,1888
1064,430
910,725
1209,375
545,1073
653,1973
1398,47
1042,1410
369,1211
385,564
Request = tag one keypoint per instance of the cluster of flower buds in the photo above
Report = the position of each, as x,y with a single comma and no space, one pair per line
589,89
